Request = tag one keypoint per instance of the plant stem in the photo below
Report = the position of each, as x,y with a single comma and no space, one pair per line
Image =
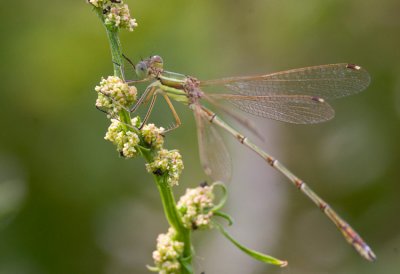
173,216
167,197
116,51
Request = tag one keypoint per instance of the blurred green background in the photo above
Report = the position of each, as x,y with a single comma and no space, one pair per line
69,204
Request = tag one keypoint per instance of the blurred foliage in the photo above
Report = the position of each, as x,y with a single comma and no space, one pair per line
79,208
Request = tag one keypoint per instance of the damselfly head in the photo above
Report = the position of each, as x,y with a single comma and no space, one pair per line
142,69
151,66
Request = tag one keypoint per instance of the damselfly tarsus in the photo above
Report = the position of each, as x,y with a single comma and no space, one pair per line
294,96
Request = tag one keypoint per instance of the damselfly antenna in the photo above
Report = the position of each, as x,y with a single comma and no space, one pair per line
129,61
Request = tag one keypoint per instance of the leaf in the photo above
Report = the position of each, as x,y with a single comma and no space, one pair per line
223,198
252,253
225,216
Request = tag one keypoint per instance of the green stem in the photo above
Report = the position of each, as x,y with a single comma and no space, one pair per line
173,216
167,197
115,45
116,57
116,51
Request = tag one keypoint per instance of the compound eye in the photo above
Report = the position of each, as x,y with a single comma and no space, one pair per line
157,61
142,71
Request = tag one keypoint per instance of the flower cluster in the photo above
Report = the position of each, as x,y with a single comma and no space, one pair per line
168,163
153,135
195,207
118,16
116,13
167,254
125,140
114,95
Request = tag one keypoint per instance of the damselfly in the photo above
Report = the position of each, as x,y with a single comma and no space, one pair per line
294,96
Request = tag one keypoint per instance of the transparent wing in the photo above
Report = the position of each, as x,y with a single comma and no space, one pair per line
326,81
246,123
295,109
214,155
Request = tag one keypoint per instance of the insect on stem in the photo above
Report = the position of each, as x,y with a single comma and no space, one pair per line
295,96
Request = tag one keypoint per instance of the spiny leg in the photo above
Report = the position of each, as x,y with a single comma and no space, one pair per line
113,117
114,102
150,91
170,105
174,113
102,110
149,110
144,97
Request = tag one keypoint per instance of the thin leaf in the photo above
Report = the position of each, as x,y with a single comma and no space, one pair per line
224,216
252,253
224,197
